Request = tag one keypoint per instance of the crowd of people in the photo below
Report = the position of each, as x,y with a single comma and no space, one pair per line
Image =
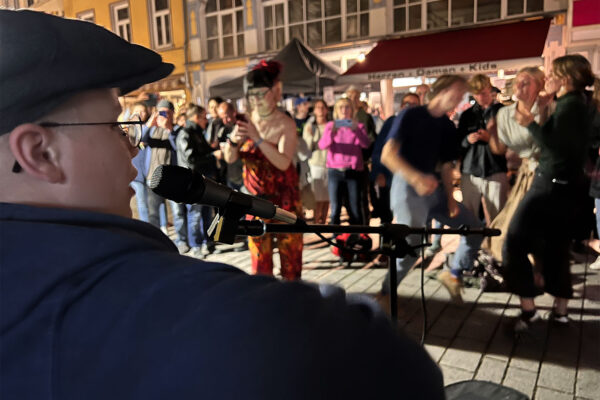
405,168
552,126
108,307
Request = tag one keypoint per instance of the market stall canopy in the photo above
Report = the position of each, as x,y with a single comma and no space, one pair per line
463,51
303,72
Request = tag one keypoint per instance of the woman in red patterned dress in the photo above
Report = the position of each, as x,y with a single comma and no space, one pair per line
267,144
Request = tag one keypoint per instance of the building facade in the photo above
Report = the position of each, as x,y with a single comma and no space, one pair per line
210,41
225,36
155,24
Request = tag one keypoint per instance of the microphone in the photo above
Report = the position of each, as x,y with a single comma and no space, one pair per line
183,185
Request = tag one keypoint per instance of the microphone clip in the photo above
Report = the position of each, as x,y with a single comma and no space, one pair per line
224,225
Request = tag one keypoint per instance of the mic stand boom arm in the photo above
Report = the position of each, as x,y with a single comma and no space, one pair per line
393,240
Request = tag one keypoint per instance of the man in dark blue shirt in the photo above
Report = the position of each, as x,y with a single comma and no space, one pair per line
420,152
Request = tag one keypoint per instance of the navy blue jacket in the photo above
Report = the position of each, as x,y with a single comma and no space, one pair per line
95,306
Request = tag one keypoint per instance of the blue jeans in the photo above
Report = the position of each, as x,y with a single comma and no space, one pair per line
141,199
435,239
180,221
338,181
198,219
156,209
413,210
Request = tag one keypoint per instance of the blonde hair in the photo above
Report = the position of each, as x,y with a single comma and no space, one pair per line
444,82
336,113
478,83
536,74
576,67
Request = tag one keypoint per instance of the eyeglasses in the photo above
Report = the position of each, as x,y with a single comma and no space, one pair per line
132,130
258,95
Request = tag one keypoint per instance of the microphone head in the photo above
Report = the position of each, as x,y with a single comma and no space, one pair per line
174,183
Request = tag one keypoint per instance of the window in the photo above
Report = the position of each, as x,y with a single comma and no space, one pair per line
407,15
121,21
439,14
488,10
514,7
87,16
224,28
161,23
463,12
274,26
315,22
357,18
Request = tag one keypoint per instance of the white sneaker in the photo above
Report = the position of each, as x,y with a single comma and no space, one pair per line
523,323
596,264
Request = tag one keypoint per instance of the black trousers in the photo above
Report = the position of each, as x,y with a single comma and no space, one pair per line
542,226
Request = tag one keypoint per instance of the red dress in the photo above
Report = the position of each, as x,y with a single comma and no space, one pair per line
264,180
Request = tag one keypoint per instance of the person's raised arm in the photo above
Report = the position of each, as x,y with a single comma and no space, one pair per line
361,135
281,154
231,149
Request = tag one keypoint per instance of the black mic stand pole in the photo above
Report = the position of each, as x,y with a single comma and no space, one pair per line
393,240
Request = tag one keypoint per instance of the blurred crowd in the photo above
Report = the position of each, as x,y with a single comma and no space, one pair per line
526,165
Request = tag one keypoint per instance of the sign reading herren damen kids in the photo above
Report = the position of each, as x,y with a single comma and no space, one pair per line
460,69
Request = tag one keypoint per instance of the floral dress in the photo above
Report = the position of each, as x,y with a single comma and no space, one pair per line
264,180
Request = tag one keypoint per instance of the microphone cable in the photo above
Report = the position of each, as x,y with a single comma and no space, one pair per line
423,303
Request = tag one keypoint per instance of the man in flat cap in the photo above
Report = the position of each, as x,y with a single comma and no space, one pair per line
96,305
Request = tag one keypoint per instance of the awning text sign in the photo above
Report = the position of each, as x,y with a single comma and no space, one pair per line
459,69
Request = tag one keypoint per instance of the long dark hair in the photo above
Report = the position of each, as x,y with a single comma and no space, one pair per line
327,116
576,67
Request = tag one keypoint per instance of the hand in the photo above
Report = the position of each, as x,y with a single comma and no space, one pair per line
235,136
484,135
247,130
453,209
473,137
523,118
425,185
544,99
152,120
218,154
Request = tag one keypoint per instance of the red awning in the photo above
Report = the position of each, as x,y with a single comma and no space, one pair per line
459,51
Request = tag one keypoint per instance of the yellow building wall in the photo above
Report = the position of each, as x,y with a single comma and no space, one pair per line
141,31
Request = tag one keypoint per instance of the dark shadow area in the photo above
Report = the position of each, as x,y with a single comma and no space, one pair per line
484,326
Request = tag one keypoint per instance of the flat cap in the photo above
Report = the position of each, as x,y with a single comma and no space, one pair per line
45,60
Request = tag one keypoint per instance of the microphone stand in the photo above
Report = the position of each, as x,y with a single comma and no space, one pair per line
392,238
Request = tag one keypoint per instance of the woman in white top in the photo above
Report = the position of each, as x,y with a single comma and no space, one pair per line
510,135
313,131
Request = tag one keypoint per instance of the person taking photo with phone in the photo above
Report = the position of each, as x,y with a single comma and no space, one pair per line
266,143
344,138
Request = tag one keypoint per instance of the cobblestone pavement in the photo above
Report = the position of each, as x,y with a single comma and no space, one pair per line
475,340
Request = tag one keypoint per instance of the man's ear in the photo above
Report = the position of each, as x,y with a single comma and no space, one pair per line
34,148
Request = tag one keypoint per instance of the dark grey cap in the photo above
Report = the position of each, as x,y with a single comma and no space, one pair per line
45,60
